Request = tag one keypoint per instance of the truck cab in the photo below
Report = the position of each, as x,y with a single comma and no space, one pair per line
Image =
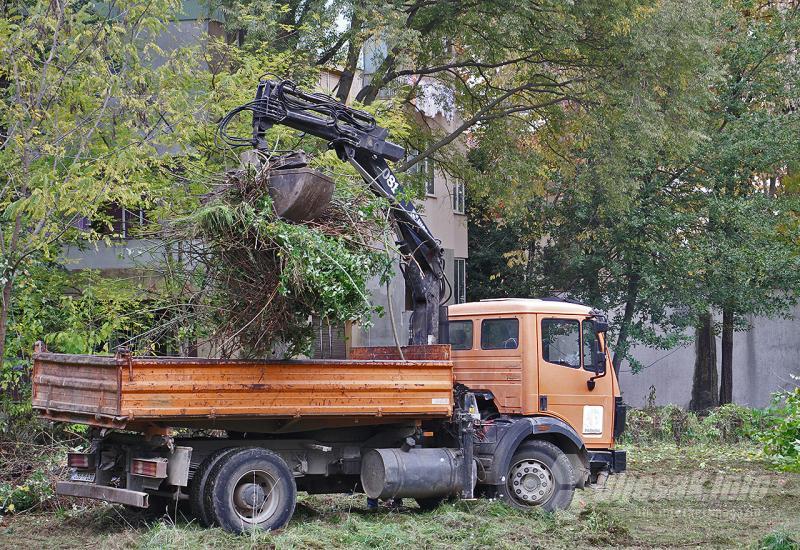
545,359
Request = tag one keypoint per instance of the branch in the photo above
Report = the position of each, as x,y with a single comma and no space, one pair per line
474,119
472,63
328,54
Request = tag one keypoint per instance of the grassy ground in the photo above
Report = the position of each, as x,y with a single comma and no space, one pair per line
671,497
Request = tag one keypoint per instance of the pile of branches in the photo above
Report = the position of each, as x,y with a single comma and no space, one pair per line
251,282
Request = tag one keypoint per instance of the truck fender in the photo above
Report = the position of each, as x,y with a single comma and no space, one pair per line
538,427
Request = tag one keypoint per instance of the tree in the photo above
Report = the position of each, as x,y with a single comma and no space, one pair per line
604,219
705,379
85,114
487,59
658,196
750,265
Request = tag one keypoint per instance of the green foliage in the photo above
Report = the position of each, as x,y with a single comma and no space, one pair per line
89,103
728,424
72,312
261,278
89,93
782,439
652,200
36,490
778,540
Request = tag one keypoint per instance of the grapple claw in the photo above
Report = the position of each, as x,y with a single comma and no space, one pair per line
300,194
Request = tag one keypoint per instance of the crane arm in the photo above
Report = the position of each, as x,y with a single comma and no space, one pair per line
357,139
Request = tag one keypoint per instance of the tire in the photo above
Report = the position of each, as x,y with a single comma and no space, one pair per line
429,504
197,489
250,488
540,476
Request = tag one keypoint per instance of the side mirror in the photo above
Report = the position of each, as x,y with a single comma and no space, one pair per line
600,362
599,366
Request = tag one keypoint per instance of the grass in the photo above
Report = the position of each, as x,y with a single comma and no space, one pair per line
712,496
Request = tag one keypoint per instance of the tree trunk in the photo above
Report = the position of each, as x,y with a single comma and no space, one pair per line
704,384
4,307
773,181
726,372
621,347
354,47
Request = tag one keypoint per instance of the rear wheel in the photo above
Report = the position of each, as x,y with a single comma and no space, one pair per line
540,476
250,488
197,490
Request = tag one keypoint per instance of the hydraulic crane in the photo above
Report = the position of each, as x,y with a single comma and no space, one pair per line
357,139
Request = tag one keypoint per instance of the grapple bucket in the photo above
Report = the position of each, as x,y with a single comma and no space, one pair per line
300,194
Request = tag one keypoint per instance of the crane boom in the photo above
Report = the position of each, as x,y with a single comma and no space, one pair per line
357,139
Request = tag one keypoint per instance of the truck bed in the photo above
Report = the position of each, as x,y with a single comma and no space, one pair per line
138,392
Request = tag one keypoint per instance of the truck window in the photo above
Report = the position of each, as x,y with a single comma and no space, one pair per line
499,334
561,342
589,345
460,334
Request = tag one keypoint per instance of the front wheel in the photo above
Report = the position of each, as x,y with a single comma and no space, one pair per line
540,476
251,488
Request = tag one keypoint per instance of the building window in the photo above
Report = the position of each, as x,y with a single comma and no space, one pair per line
424,170
119,222
458,197
460,282
430,177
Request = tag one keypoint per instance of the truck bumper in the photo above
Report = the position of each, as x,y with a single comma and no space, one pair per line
101,492
615,461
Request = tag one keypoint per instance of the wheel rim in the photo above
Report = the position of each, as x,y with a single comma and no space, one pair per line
255,496
530,482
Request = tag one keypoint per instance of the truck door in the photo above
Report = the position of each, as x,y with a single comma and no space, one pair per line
566,351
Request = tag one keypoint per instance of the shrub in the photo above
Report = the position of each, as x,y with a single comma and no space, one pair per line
781,439
779,540
33,492
733,423
726,424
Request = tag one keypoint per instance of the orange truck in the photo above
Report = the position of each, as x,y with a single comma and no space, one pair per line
509,399
523,405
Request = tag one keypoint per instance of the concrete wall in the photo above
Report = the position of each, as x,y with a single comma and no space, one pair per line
764,359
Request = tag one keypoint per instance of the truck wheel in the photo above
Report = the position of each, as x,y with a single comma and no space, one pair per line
540,476
250,488
197,490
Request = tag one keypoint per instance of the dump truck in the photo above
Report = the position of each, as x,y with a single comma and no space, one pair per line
513,399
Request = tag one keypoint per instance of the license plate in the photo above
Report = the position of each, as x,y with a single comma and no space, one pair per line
87,477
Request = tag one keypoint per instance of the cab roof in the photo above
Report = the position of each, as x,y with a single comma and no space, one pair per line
518,305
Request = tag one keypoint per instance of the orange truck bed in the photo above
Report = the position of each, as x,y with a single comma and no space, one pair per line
136,392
